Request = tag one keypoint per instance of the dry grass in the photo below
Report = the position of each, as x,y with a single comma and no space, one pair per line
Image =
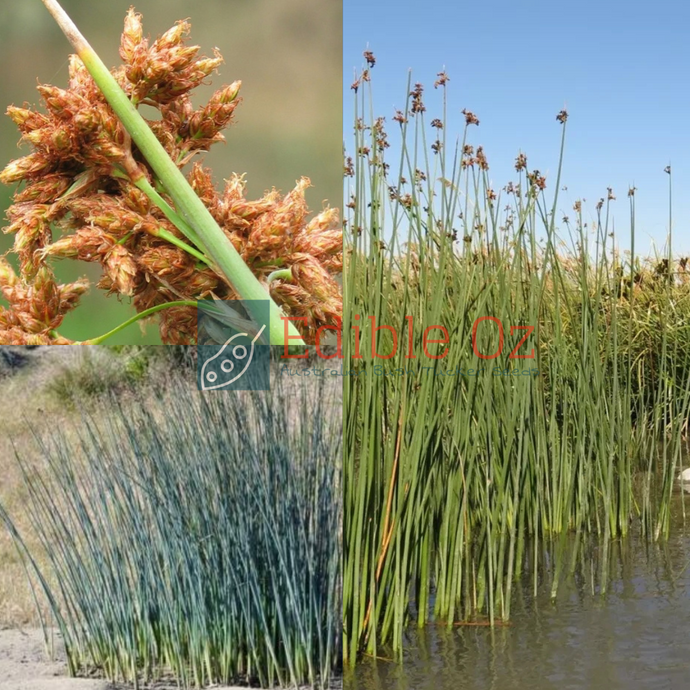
27,405
30,407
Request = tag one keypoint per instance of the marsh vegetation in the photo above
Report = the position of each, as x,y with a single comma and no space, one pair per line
464,460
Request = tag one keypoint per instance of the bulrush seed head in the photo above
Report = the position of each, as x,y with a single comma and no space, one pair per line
85,197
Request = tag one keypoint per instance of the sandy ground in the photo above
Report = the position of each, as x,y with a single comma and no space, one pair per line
25,664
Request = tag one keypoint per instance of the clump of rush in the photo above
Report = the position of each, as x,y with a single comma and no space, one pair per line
549,419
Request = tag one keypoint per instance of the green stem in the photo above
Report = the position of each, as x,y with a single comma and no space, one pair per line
219,247
142,184
167,235
135,318
283,274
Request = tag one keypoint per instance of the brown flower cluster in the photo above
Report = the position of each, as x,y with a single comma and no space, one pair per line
442,80
470,117
538,182
78,200
417,102
521,162
470,158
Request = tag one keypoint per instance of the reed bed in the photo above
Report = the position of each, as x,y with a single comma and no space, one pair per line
455,479
194,537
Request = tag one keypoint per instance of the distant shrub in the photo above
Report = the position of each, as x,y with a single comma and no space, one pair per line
101,370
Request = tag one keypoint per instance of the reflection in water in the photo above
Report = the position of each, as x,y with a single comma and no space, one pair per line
636,634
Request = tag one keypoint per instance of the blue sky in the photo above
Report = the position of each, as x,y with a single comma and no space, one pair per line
621,69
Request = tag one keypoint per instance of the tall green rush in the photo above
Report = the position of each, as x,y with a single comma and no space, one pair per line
463,465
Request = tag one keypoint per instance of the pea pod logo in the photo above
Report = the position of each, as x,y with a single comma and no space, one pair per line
233,345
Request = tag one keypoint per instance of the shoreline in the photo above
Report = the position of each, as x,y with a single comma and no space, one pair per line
25,664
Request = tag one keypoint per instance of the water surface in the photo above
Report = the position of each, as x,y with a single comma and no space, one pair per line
635,635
